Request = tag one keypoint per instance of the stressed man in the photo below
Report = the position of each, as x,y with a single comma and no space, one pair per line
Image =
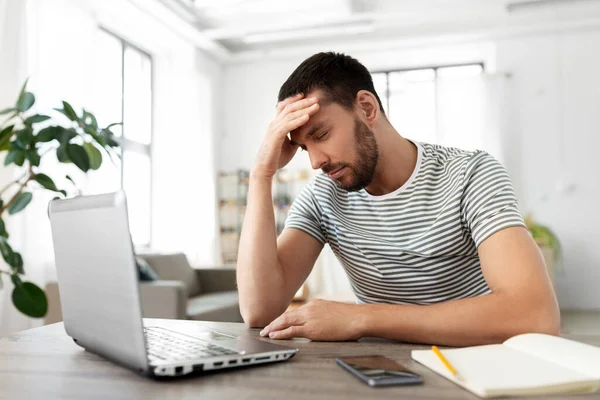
430,237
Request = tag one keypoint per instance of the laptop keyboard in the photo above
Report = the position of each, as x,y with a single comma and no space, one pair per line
164,344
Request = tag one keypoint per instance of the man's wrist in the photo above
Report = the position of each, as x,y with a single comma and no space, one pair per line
362,321
259,175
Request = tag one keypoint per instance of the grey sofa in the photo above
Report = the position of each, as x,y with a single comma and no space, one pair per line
182,292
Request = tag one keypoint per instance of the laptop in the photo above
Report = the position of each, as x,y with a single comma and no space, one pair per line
98,282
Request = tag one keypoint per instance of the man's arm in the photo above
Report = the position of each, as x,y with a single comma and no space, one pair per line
268,273
270,270
522,300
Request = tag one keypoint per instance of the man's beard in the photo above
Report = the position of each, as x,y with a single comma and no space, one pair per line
361,173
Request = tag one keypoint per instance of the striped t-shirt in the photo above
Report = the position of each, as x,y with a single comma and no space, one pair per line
418,244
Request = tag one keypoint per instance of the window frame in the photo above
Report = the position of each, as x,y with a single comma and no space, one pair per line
131,145
435,69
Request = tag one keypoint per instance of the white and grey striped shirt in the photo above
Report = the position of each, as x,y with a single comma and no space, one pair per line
418,244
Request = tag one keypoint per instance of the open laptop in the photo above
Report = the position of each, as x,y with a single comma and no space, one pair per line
98,282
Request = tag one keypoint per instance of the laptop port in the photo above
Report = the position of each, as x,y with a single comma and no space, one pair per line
198,367
262,358
232,362
245,360
218,364
178,370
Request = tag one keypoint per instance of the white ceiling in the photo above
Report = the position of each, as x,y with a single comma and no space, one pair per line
236,27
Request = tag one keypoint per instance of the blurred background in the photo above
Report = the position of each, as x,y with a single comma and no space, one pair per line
195,84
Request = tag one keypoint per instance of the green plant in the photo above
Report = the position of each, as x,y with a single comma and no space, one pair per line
78,142
544,237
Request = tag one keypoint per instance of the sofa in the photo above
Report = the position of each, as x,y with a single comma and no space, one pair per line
181,292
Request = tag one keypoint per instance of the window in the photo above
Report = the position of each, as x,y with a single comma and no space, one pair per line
122,91
410,98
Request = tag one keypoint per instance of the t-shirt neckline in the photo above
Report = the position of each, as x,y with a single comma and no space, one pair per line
408,182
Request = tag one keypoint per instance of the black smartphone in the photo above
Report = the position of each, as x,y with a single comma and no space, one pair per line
379,371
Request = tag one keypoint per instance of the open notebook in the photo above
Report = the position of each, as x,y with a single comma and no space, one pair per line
528,364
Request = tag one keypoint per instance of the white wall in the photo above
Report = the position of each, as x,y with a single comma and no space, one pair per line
38,40
558,106
556,90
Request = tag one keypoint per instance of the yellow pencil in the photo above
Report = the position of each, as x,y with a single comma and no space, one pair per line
445,362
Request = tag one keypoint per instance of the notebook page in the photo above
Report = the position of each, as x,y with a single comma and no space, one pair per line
497,368
580,357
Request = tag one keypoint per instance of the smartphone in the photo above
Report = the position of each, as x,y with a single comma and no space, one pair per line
379,371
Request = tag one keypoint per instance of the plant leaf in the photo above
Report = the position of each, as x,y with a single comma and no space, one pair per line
69,112
94,121
20,203
16,280
16,262
71,179
61,154
30,300
5,135
5,249
94,155
15,156
79,156
113,124
48,134
3,232
112,142
33,157
24,137
25,101
100,139
34,119
7,110
65,135
46,182
23,88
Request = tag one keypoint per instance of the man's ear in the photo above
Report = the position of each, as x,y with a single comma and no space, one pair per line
368,106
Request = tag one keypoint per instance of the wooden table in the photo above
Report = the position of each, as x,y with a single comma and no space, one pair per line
44,363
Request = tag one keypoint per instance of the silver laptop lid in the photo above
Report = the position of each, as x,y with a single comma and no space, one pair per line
97,277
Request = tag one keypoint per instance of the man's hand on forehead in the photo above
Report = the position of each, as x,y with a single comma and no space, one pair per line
277,149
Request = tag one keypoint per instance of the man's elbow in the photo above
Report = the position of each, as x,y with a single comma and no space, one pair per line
545,319
254,318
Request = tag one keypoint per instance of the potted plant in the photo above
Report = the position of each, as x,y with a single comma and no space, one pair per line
548,243
27,137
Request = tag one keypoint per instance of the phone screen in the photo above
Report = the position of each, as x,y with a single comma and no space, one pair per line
379,370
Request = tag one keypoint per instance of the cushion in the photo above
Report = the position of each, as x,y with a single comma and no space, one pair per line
220,306
145,271
175,267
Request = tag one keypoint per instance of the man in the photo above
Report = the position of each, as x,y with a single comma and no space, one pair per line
430,237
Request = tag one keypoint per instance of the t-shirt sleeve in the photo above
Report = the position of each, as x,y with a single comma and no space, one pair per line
489,201
305,214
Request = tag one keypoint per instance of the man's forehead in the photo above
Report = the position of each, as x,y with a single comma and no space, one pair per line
316,122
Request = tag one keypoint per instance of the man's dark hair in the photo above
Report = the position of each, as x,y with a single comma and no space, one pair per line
339,76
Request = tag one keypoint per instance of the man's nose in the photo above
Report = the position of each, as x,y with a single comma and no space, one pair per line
317,159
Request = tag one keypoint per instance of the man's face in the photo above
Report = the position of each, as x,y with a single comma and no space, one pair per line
340,144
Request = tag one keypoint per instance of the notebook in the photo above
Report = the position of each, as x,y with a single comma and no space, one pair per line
528,364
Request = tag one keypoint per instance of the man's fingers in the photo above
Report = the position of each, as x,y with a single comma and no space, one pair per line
288,100
288,333
298,105
284,127
295,123
310,110
283,321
